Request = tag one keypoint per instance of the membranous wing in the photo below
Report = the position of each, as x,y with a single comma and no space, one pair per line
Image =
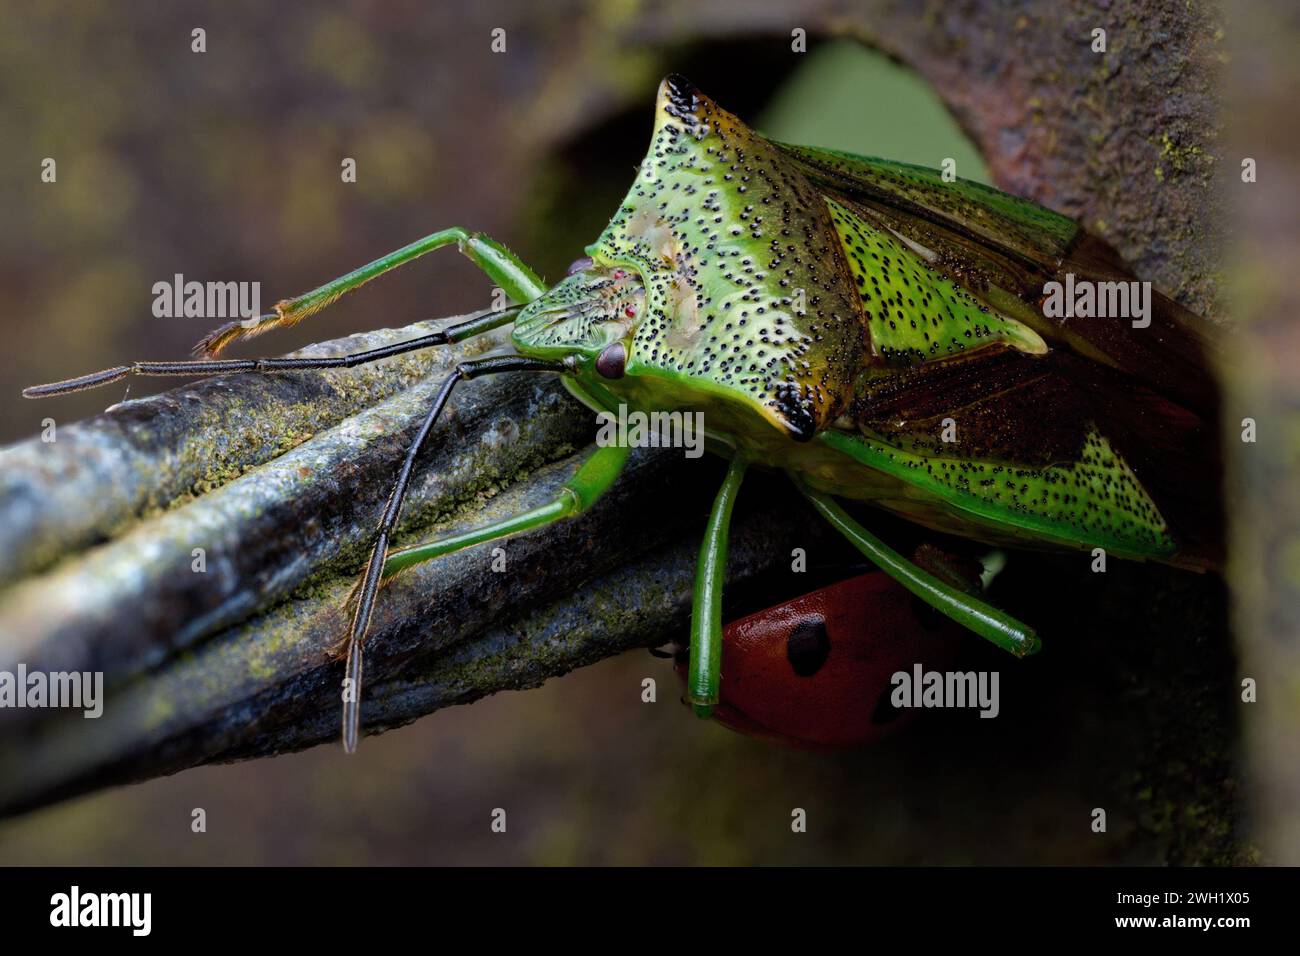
1061,448
1086,431
997,252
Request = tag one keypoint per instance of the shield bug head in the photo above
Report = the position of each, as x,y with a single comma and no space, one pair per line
593,308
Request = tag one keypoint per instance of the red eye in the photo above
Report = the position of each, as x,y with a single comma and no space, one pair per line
630,311
619,273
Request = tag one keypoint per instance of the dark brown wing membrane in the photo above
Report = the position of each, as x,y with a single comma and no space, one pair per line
1004,250
1037,410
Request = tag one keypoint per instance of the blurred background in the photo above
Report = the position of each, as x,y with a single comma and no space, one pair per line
225,165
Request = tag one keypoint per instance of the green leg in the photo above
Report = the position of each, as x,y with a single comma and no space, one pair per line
502,266
592,479
984,619
704,672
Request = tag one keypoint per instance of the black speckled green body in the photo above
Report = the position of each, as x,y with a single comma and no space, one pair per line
877,330
872,328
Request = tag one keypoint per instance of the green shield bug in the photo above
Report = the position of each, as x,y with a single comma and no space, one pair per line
879,331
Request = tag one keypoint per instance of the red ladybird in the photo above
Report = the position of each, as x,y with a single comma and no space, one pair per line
815,671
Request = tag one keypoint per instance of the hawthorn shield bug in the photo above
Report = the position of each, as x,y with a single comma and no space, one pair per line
871,328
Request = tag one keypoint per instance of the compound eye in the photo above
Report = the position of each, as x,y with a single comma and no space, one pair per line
578,265
612,360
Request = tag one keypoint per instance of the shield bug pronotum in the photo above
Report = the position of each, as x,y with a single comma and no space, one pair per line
871,328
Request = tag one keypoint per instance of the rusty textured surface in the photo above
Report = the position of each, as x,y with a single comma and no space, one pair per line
1263,384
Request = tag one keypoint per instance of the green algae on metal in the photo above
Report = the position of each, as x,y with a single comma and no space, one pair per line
268,684
145,456
265,531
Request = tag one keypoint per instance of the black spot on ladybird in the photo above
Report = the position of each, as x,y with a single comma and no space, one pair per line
808,646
